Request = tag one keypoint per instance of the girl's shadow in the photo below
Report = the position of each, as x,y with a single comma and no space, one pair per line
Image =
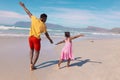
82,62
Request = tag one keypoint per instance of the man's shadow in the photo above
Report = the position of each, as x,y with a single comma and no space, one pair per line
47,64
78,63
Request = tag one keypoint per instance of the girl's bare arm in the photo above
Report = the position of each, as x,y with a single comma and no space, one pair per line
77,36
60,42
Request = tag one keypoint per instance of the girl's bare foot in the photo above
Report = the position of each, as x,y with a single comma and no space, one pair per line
59,66
68,66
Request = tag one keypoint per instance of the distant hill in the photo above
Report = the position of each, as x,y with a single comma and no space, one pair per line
92,28
50,25
27,24
22,24
115,30
56,26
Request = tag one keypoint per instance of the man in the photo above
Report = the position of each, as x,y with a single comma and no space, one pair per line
37,28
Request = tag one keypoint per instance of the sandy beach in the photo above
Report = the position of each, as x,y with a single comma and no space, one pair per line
94,60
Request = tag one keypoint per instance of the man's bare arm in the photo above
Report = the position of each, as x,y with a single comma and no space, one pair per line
47,35
26,10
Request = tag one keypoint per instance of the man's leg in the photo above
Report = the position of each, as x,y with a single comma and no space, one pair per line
36,55
31,52
37,46
31,58
35,52
31,55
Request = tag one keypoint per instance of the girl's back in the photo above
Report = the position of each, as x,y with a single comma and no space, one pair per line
67,50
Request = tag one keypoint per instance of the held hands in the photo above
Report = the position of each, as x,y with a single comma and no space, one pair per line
56,44
51,41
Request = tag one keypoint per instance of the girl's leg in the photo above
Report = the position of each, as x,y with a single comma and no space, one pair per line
60,61
68,62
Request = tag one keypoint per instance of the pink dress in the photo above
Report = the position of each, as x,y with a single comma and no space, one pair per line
67,50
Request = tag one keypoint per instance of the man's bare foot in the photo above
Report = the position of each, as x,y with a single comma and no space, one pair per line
32,67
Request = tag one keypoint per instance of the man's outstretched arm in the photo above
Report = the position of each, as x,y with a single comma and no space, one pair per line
26,10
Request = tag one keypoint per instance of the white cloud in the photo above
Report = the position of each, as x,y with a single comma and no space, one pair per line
77,17
69,17
9,17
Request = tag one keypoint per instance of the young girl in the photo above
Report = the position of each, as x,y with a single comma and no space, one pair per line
66,53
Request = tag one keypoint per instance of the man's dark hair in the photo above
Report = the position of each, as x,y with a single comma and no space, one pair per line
67,34
43,15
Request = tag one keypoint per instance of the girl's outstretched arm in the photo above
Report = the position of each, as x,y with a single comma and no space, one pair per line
77,36
60,42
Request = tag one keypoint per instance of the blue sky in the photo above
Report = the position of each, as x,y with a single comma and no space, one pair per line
69,13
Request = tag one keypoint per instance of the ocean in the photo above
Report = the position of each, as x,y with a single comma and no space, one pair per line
15,31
